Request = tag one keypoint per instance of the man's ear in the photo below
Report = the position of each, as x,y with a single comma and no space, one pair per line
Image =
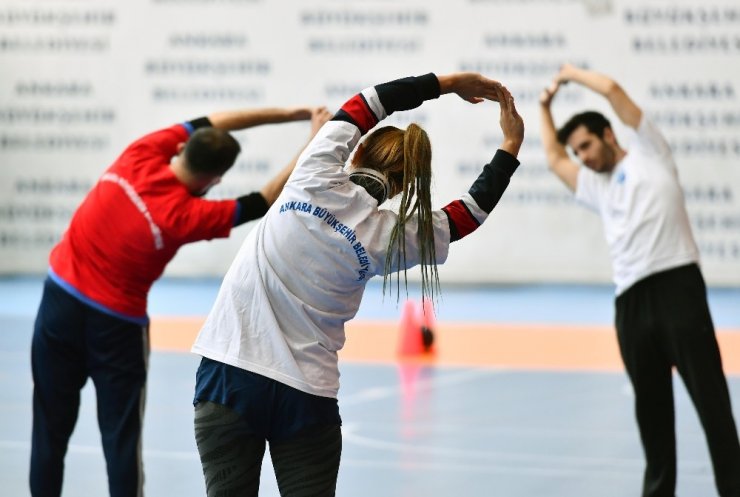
180,147
609,136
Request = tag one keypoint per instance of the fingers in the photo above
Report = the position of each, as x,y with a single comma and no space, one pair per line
506,100
319,117
475,88
494,88
548,93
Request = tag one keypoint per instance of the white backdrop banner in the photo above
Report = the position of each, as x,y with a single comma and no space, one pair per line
80,79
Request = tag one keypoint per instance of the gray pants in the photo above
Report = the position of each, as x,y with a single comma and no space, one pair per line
231,455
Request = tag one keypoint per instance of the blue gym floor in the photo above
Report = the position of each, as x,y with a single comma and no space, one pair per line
408,430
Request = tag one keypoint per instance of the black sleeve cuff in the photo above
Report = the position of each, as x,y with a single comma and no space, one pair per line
407,93
428,86
252,206
505,161
493,180
201,122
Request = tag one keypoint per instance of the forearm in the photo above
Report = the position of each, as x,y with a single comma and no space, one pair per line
272,188
554,150
592,80
555,154
374,104
627,110
467,213
255,205
246,118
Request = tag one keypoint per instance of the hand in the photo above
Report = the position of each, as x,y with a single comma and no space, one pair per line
549,93
470,86
566,73
319,117
511,122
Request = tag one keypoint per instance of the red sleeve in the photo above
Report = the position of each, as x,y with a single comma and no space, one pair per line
200,219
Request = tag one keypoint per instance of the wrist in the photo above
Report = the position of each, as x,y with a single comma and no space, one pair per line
299,113
446,83
511,146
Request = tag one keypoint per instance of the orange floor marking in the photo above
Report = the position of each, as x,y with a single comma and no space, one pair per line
517,346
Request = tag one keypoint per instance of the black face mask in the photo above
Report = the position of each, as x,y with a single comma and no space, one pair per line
375,183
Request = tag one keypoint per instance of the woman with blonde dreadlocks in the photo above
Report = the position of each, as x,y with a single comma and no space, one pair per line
269,371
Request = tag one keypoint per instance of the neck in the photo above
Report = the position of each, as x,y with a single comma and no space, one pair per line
193,183
619,154
181,173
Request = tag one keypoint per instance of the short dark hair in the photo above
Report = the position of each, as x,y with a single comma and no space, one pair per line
210,151
594,121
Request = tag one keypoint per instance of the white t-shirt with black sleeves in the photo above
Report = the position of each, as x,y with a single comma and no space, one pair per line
642,208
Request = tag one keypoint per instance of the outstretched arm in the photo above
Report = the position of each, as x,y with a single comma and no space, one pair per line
625,108
557,158
374,104
255,205
272,189
235,120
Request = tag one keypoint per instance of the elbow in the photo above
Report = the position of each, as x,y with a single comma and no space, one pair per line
552,166
612,89
553,159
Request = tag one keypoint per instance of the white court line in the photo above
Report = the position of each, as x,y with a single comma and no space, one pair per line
98,451
349,434
696,470
522,465
517,469
518,431
379,393
508,462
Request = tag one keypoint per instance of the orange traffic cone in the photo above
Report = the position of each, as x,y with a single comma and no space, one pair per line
415,337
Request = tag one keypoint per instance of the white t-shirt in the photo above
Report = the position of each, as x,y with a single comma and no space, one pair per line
282,307
641,204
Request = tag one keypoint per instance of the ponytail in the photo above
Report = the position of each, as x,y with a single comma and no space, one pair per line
412,176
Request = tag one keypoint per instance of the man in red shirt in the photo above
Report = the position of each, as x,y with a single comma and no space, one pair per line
92,320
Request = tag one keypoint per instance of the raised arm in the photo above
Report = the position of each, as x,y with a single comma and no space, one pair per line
467,213
255,205
235,120
270,192
557,158
626,109
374,104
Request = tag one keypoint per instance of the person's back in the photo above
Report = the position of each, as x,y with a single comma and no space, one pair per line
132,223
269,371
303,270
92,320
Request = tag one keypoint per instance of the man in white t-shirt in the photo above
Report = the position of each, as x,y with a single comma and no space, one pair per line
662,316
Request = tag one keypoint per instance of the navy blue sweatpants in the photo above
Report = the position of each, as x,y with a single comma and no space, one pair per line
73,341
